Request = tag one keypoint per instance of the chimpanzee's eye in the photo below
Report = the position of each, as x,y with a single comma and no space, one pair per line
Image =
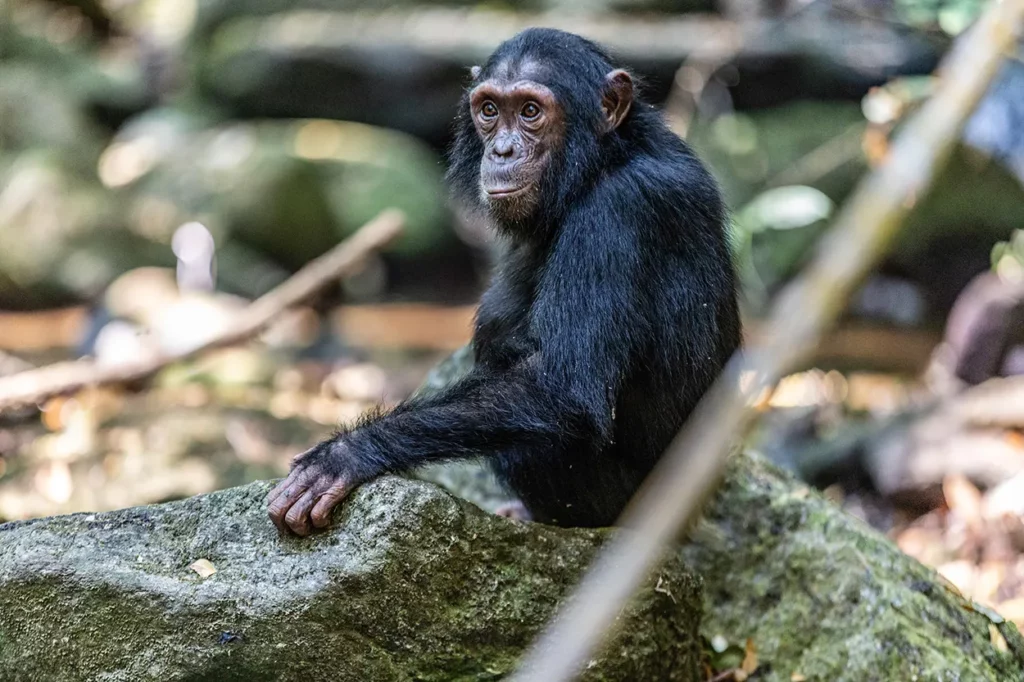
489,110
530,111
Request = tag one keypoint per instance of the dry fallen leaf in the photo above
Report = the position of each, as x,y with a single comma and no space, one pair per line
964,499
749,664
204,567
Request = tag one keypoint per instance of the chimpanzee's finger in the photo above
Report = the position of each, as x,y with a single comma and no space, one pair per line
291,489
281,486
321,514
297,517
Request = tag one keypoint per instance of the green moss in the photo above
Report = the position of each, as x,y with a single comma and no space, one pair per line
823,595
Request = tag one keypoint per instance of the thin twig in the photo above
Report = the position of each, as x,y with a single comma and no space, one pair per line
36,385
673,494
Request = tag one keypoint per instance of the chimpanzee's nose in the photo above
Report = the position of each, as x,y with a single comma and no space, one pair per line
505,148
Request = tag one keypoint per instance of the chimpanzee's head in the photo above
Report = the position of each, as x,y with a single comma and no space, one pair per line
531,125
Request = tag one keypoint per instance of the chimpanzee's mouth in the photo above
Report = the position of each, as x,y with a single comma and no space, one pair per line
503,192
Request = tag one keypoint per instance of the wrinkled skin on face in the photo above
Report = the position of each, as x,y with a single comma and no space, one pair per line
521,125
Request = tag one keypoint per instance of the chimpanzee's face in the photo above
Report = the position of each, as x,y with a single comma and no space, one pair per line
521,125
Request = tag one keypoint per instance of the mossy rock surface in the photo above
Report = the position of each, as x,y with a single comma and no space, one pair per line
825,598
408,584
821,596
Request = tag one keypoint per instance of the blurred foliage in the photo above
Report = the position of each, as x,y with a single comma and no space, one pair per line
301,66
785,168
774,233
51,219
38,111
211,13
805,143
247,180
80,204
975,201
146,115
952,16
59,40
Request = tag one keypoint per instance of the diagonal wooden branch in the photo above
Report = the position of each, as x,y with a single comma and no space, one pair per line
673,494
32,386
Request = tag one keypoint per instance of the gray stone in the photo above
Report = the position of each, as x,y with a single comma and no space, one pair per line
410,583
820,595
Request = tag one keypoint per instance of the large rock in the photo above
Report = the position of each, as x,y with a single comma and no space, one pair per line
409,584
818,594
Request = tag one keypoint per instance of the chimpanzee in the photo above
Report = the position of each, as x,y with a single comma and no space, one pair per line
612,309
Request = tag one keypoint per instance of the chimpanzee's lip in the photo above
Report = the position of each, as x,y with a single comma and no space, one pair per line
503,192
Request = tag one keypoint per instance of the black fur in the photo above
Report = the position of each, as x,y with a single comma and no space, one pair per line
610,314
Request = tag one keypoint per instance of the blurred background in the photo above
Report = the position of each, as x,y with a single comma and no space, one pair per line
162,162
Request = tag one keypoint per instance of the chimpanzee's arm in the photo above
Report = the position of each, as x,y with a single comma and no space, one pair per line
478,415
585,320
481,414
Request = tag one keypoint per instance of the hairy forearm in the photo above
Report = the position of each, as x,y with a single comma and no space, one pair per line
477,417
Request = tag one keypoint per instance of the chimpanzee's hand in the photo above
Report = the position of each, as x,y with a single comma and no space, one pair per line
320,478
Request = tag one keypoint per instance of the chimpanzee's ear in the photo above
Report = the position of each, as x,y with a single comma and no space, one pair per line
474,71
617,98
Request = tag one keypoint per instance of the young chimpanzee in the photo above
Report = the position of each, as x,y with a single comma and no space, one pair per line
611,312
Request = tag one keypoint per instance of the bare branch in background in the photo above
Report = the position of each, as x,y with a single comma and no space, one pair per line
673,494
33,386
